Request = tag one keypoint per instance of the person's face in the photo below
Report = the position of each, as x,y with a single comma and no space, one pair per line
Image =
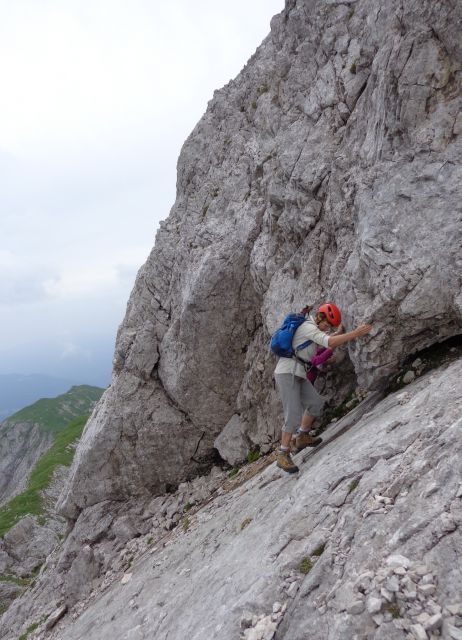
325,326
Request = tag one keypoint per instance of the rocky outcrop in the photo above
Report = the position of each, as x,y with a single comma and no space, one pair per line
328,169
21,446
364,542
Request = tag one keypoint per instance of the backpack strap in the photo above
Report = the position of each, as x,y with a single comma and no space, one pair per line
306,364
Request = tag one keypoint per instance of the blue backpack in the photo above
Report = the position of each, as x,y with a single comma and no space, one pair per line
281,341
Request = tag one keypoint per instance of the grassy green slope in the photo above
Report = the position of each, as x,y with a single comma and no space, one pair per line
29,501
52,414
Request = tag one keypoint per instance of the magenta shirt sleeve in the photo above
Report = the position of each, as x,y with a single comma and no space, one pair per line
322,357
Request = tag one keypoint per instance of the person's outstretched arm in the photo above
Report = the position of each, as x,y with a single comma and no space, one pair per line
338,340
321,357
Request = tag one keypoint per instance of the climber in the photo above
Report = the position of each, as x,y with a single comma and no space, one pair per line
302,404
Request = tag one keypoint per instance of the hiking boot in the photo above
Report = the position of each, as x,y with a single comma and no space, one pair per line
305,440
285,462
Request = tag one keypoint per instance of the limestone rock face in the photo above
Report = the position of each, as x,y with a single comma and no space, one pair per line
27,546
364,542
329,169
21,445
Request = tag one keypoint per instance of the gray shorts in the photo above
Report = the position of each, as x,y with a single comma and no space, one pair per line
297,395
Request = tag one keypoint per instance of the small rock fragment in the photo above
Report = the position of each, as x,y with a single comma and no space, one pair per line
421,569
378,618
409,377
55,617
418,632
392,584
434,622
126,578
423,618
388,595
398,561
374,604
433,607
427,589
277,606
357,606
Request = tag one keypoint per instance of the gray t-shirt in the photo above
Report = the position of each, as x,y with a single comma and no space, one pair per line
306,331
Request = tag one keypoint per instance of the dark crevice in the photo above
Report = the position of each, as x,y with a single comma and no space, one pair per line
439,354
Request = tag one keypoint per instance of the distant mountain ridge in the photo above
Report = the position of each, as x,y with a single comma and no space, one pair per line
30,432
53,414
18,390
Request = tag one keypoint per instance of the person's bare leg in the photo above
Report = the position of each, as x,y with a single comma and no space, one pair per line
286,438
307,421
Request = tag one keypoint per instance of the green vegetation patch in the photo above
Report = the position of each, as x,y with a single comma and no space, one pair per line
394,610
32,628
319,550
29,502
245,523
353,485
253,456
53,414
21,582
305,566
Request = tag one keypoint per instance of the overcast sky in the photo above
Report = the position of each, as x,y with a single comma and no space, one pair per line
97,98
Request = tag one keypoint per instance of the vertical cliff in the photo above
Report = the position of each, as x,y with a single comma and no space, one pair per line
329,168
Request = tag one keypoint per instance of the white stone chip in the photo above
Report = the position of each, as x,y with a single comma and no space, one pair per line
427,589
423,618
388,595
374,604
418,632
398,561
126,578
434,622
392,584
277,606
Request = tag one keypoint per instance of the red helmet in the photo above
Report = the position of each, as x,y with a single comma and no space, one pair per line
332,313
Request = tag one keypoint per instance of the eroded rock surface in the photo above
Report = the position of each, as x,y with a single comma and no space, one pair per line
21,445
328,169
364,542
